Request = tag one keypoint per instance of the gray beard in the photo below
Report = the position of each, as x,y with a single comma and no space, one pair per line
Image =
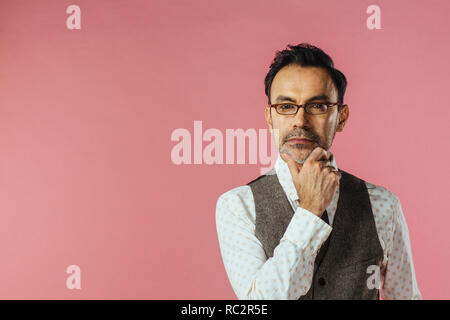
299,161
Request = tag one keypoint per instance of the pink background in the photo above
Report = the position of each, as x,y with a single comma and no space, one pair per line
86,117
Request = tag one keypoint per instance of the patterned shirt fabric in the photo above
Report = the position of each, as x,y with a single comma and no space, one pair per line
288,274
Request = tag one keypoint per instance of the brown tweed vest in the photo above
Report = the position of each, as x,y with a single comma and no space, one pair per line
340,268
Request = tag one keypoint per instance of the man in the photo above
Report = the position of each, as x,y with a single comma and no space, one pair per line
308,230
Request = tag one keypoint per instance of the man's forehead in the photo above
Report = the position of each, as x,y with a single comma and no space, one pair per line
302,83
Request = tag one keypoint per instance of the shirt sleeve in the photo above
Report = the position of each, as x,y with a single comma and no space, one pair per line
400,279
285,276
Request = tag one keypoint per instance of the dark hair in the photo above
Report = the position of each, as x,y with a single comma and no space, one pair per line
305,55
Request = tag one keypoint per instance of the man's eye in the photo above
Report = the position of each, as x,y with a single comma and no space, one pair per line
287,106
318,106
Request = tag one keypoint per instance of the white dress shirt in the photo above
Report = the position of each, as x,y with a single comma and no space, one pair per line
288,274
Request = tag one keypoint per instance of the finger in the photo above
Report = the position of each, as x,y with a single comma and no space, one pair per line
327,169
292,165
317,154
326,155
337,173
324,163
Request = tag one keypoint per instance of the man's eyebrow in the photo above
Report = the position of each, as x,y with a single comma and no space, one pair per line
284,98
318,97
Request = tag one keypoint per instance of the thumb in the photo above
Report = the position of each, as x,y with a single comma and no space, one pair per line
293,168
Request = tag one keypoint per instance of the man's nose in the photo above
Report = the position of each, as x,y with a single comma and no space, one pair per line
301,118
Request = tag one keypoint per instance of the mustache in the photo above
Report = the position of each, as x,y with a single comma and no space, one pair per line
302,133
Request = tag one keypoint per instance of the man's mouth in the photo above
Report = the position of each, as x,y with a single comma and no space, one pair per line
298,140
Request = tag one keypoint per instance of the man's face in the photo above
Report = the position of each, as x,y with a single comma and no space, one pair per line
299,85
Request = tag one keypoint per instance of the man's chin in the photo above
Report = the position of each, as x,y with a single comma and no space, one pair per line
298,155
300,159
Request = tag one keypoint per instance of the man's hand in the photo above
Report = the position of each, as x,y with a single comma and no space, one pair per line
316,181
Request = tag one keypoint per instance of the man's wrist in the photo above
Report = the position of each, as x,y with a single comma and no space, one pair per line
306,228
311,209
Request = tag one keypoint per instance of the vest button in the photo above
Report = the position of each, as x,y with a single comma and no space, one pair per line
322,281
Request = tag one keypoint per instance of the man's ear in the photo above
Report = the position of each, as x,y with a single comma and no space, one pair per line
269,119
343,116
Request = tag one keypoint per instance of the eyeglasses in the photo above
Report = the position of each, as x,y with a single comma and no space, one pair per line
310,108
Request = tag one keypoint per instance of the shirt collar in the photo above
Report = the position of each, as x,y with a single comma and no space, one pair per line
285,178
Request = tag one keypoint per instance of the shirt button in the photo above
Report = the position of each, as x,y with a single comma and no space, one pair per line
322,281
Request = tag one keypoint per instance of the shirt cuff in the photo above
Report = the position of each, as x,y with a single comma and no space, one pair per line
307,231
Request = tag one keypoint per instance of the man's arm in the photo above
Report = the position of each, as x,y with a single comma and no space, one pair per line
286,275
400,279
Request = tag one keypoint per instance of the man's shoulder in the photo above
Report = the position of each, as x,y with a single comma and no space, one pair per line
237,203
244,192
380,191
376,191
241,193
384,202
271,173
